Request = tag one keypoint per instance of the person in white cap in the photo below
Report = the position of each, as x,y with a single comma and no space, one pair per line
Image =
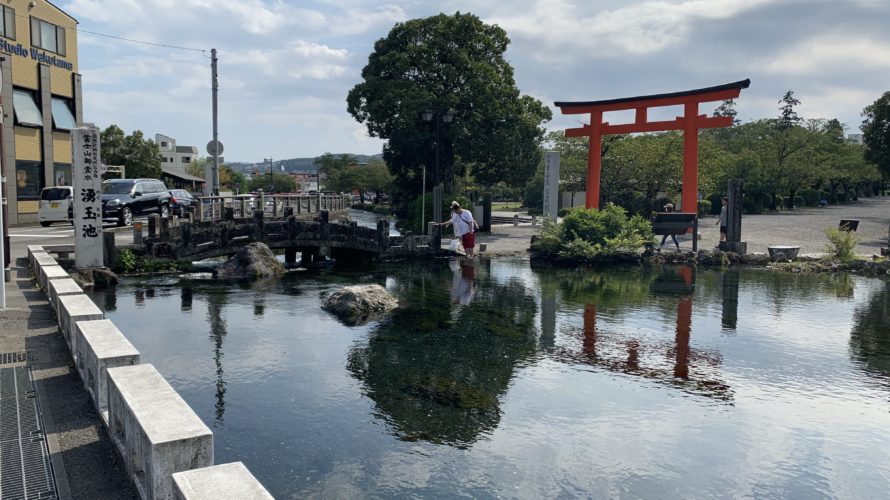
464,227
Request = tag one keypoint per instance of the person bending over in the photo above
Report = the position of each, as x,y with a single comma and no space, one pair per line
464,227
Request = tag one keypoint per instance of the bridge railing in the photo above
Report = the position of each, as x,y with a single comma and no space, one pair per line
213,208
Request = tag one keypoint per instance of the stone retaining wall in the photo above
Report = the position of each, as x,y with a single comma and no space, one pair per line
164,445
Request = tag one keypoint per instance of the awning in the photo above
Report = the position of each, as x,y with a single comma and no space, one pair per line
181,175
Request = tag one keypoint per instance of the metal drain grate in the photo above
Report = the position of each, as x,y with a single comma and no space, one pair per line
25,470
7,358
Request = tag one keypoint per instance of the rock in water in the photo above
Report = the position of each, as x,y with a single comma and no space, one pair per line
358,304
253,261
97,278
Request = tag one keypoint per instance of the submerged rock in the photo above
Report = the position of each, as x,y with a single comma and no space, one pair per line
97,278
256,260
355,305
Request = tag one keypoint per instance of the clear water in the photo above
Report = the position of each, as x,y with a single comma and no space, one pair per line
505,381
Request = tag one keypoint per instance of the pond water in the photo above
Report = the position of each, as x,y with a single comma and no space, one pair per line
500,380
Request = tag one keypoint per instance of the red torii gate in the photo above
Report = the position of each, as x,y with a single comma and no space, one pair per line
689,123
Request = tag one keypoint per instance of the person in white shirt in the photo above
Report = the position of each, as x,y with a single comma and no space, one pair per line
464,227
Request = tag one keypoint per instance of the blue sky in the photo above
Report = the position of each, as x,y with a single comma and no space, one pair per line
286,66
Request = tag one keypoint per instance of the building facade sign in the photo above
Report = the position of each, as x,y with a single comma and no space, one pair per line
87,197
36,54
551,184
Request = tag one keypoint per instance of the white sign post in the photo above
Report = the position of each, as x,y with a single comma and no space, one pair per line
551,184
85,172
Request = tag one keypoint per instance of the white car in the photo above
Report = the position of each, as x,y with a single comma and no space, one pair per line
56,205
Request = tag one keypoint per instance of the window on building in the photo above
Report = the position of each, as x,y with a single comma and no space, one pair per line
186,159
28,179
26,110
62,174
163,159
7,24
47,36
62,117
163,144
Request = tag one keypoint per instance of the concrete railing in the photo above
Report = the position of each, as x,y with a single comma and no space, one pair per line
155,429
155,432
220,482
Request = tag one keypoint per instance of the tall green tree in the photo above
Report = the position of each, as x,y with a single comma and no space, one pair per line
448,63
876,133
140,157
278,183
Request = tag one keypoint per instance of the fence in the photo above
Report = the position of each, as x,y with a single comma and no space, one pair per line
212,208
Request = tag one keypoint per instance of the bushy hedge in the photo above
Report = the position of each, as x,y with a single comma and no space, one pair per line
594,235
704,207
810,197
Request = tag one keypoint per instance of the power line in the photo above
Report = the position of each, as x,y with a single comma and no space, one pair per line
177,47
203,51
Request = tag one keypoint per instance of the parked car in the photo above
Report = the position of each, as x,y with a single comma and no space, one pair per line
180,200
124,198
56,205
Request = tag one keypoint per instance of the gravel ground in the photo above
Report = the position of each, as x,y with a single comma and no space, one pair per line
801,227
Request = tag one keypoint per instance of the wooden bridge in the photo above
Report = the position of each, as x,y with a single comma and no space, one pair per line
314,227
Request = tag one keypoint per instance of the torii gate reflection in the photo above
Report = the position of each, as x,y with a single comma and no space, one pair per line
678,282
690,123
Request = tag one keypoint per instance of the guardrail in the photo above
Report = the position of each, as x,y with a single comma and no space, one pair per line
213,208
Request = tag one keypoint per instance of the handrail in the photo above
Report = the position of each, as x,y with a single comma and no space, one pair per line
211,208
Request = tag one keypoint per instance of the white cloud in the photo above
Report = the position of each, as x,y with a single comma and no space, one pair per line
831,52
637,28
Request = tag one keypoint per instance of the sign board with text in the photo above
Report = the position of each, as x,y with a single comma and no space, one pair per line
87,203
551,184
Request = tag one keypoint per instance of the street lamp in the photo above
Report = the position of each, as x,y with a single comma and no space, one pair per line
446,116
271,180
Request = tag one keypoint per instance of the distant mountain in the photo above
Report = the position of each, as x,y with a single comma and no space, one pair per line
295,164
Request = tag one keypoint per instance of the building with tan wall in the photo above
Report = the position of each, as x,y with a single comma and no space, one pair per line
42,100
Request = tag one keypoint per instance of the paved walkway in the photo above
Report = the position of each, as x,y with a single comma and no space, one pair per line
82,456
802,227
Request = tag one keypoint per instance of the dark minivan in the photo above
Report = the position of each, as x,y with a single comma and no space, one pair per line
180,201
123,198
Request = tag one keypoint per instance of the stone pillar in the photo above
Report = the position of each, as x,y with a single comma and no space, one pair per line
288,212
258,226
137,233
109,248
485,226
153,225
734,241
323,218
437,239
164,229
730,314
228,213
383,233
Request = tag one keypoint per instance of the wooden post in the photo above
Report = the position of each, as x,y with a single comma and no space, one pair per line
109,248
734,241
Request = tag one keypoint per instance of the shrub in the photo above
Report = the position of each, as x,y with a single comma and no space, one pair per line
535,211
810,197
704,207
798,201
124,261
566,211
590,234
841,244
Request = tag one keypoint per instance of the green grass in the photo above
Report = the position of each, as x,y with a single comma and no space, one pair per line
504,206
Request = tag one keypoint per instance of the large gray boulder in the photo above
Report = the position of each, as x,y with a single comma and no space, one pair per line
256,260
359,304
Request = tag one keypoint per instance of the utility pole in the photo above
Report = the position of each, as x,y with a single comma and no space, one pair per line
214,178
3,221
271,178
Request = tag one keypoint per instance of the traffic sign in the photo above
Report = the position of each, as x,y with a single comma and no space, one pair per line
214,148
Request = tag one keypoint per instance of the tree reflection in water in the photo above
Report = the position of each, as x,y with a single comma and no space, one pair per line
436,370
870,337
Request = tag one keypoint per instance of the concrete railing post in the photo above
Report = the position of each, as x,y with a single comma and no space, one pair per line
516,220
258,223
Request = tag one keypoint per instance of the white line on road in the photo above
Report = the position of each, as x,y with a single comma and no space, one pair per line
12,235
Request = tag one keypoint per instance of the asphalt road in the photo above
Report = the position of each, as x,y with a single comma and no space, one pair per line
60,233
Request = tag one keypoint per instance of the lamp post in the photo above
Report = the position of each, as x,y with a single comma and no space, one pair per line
271,179
440,116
